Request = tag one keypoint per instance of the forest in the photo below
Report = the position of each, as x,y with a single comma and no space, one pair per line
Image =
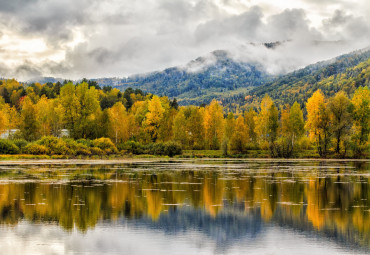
85,119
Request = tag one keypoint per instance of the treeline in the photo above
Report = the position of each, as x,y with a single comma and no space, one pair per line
136,121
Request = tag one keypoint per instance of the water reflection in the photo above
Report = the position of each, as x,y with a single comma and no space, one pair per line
224,200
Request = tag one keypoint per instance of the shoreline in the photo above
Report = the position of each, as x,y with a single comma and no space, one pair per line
156,159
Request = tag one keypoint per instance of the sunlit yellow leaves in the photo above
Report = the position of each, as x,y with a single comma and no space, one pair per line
213,124
153,117
120,124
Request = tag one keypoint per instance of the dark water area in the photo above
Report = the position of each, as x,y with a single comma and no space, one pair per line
185,207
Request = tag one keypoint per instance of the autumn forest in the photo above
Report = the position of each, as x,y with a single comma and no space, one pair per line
84,119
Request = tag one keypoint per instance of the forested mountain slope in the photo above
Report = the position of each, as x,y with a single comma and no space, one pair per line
236,84
199,81
346,73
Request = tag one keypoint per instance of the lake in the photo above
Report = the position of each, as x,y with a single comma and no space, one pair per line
185,207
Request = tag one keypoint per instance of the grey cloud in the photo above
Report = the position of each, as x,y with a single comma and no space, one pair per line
249,27
245,25
15,5
52,20
27,70
339,18
126,37
290,24
345,26
178,11
102,55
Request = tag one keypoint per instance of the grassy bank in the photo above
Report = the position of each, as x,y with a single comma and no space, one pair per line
262,154
248,154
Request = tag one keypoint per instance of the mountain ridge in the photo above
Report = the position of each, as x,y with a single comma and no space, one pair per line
218,76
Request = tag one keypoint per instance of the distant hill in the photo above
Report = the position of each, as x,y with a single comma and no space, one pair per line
199,81
219,76
43,80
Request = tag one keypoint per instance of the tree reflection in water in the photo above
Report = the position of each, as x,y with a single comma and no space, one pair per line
225,200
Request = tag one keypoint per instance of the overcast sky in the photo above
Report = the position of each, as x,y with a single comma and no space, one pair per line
115,38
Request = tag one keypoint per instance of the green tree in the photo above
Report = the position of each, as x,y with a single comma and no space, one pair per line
361,119
214,125
71,106
239,138
250,117
29,126
340,117
291,129
196,128
273,125
262,123
296,122
229,126
56,115
180,131
85,126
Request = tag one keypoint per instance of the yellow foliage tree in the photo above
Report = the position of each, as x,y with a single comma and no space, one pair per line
154,117
179,129
43,109
240,137
262,120
213,125
229,126
3,121
119,128
318,121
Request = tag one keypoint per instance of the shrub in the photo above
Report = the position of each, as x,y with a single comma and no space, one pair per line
172,149
82,149
132,147
237,145
55,146
282,148
165,149
36,149
20,143
85,142
72,145
106,145
96,151
8,147
156,149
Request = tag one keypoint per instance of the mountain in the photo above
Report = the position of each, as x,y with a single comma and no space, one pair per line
43,80
201,80
346,72
235,83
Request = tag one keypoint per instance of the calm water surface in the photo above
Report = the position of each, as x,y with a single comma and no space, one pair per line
185,207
